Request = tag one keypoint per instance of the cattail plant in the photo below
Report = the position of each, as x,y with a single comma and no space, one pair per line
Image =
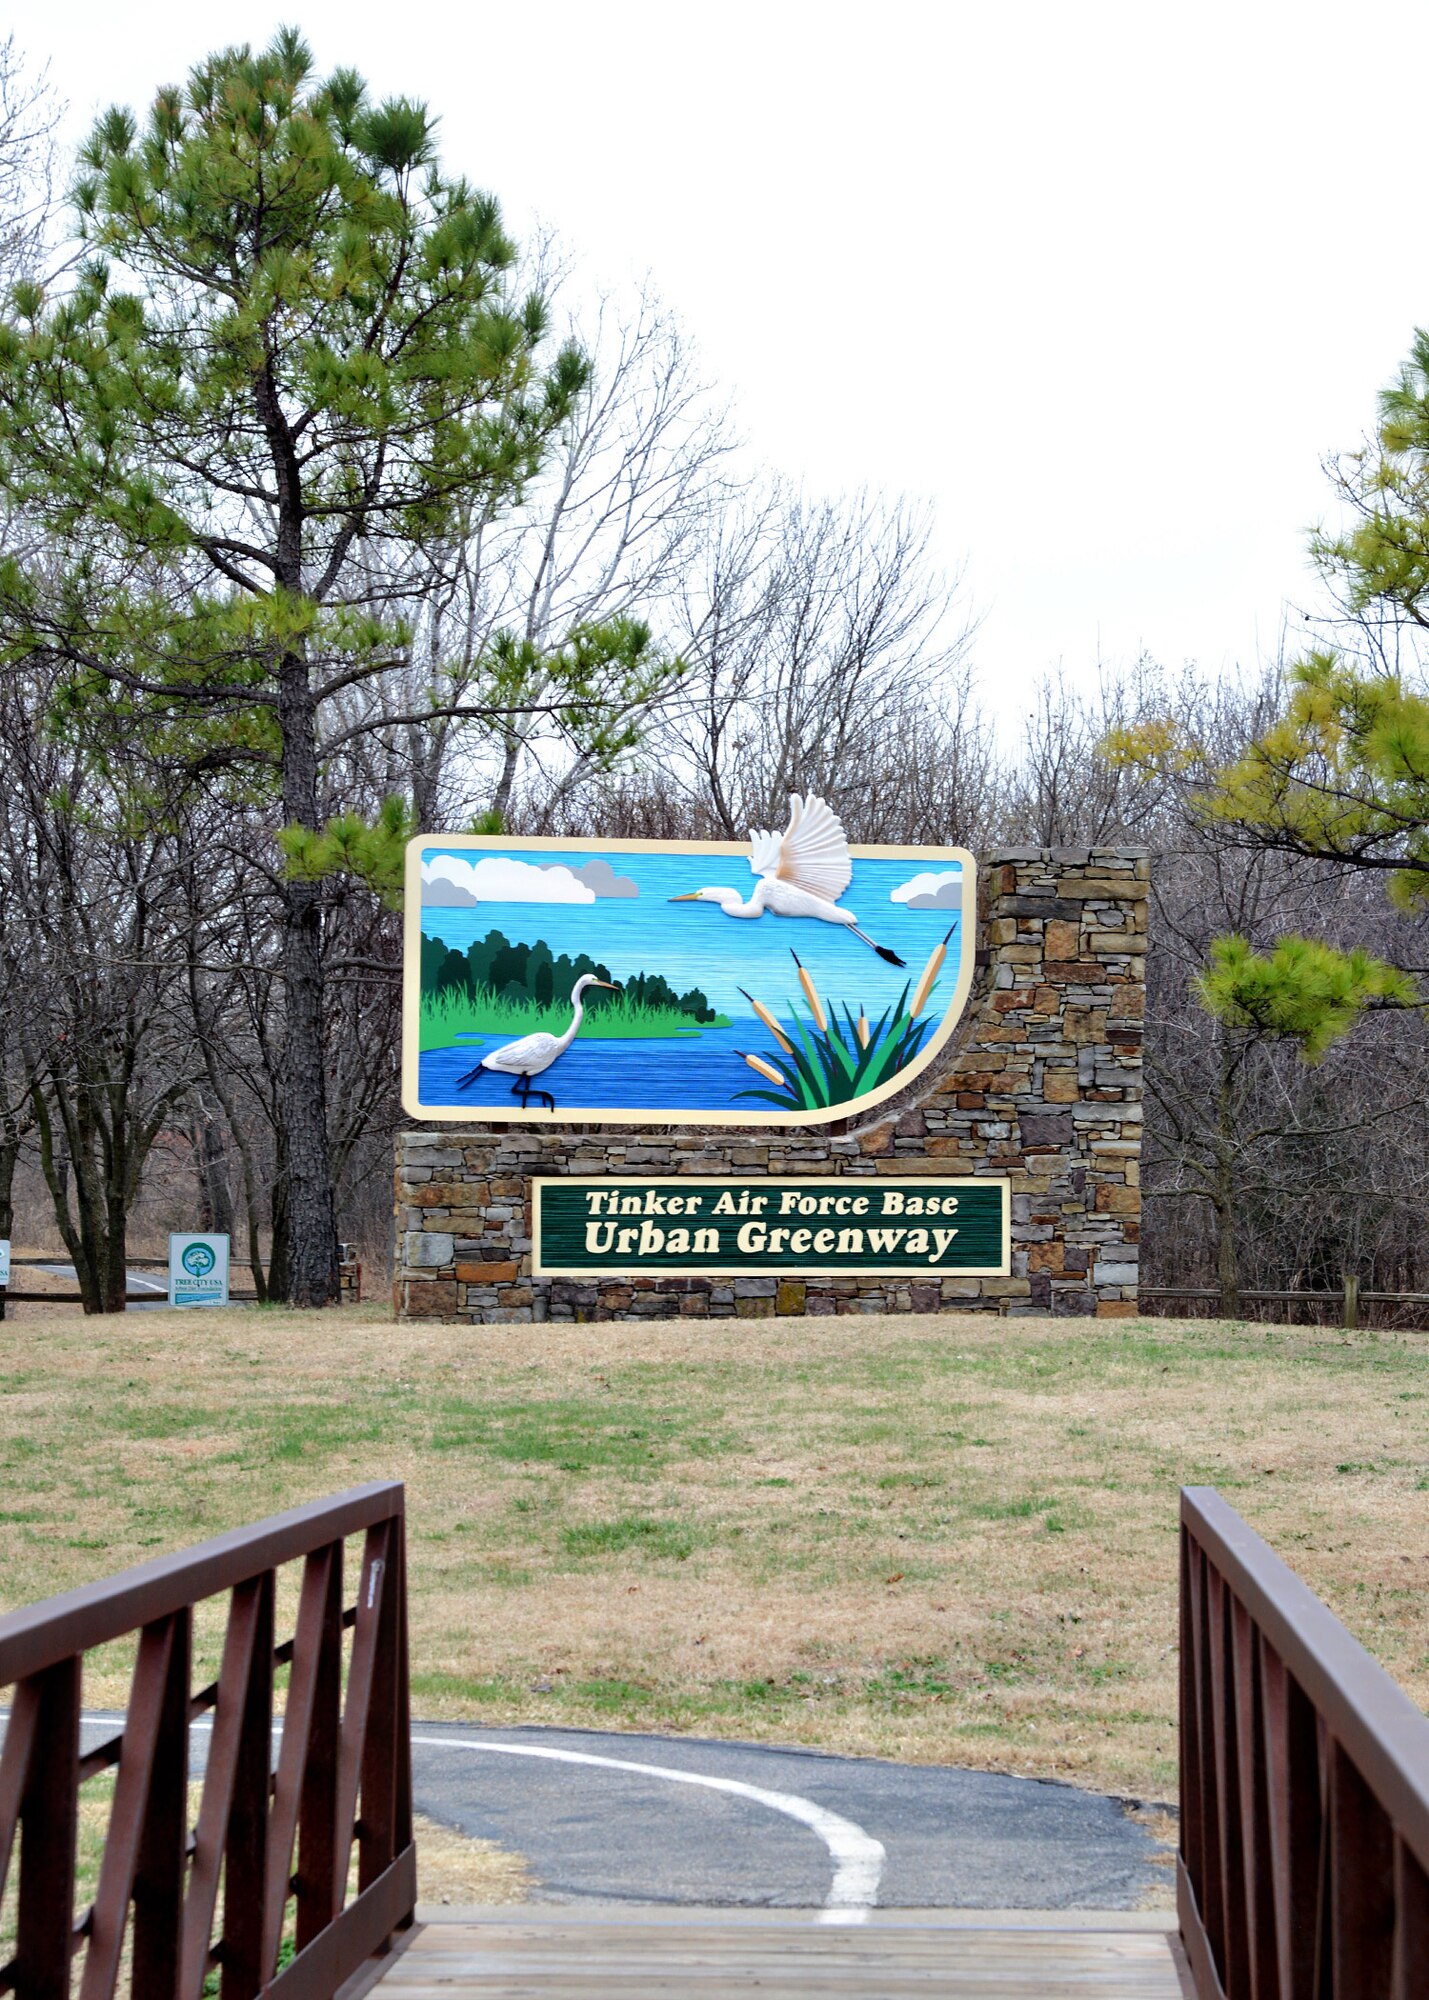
770,1023
766,1069
816,1005
837,1059
930,974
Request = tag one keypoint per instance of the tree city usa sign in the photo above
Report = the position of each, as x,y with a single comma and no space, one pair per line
730,1227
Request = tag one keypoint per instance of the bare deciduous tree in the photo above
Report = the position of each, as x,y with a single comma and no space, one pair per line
95,933
824,653
29,115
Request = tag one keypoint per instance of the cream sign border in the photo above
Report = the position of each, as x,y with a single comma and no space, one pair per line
851,1183
469,1114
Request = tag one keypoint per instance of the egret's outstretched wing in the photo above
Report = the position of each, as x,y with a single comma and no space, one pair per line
764,851
811,853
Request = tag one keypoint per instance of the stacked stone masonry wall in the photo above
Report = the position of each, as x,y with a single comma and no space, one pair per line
1041,1083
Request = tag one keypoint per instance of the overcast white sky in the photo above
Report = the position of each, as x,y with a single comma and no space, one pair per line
1102,282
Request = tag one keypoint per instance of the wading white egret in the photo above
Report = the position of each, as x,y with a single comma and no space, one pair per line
802,873
534,1054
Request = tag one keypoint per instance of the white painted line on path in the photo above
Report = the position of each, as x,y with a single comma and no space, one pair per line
857,1857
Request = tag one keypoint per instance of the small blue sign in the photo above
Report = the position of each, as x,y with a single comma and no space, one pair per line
198,1270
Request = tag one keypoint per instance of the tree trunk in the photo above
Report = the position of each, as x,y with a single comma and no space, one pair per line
1227,1260
510,765
121,1162
279,1239
235,1132
116,1249
311,1215
210,1152
77,1237
9,1155
1224,1199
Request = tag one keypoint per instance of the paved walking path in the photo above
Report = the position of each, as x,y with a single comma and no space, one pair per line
603,1818
654,1819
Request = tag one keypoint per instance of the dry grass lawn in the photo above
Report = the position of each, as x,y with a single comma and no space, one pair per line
943,1538
454,1870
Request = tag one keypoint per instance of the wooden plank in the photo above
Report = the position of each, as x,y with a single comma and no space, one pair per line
551,1956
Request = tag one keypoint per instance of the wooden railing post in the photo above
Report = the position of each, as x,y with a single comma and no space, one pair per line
1292,1763
1411,1937
245,1854
49,1812
377,1832
404,1712
1234,1943
163,1859
305,1795
1361,1886
130,1815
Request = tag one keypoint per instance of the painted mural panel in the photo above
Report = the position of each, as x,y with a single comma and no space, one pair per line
792,980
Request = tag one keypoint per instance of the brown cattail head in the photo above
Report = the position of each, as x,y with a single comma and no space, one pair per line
765,1069
930,973
770,1023
862,1029
816,1005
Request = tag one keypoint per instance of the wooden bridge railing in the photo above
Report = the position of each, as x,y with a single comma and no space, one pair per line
342,1772
1304,1871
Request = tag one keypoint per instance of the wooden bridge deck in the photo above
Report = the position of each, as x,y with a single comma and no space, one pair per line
525,1954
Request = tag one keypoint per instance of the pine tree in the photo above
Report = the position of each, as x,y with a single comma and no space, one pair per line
288,356
1342,776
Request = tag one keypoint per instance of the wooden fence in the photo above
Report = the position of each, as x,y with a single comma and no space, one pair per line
1304,1870
1338,1308
349,1282
343,1771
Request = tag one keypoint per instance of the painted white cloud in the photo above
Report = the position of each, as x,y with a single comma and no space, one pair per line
931,891
501,878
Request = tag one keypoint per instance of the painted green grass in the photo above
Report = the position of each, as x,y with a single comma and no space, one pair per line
448,1016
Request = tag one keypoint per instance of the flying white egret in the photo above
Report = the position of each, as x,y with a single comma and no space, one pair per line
802,873
533,1054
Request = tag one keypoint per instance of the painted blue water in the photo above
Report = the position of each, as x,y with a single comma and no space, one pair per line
683,1073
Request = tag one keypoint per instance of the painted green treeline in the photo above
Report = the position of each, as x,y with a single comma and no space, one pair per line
497,987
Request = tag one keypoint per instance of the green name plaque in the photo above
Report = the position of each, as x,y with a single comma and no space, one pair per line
682,1225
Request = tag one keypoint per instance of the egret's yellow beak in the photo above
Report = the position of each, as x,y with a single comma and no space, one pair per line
609,985
692,897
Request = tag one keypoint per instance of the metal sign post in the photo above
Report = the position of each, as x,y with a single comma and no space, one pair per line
198,1270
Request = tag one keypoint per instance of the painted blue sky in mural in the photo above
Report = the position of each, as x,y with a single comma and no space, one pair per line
696,944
